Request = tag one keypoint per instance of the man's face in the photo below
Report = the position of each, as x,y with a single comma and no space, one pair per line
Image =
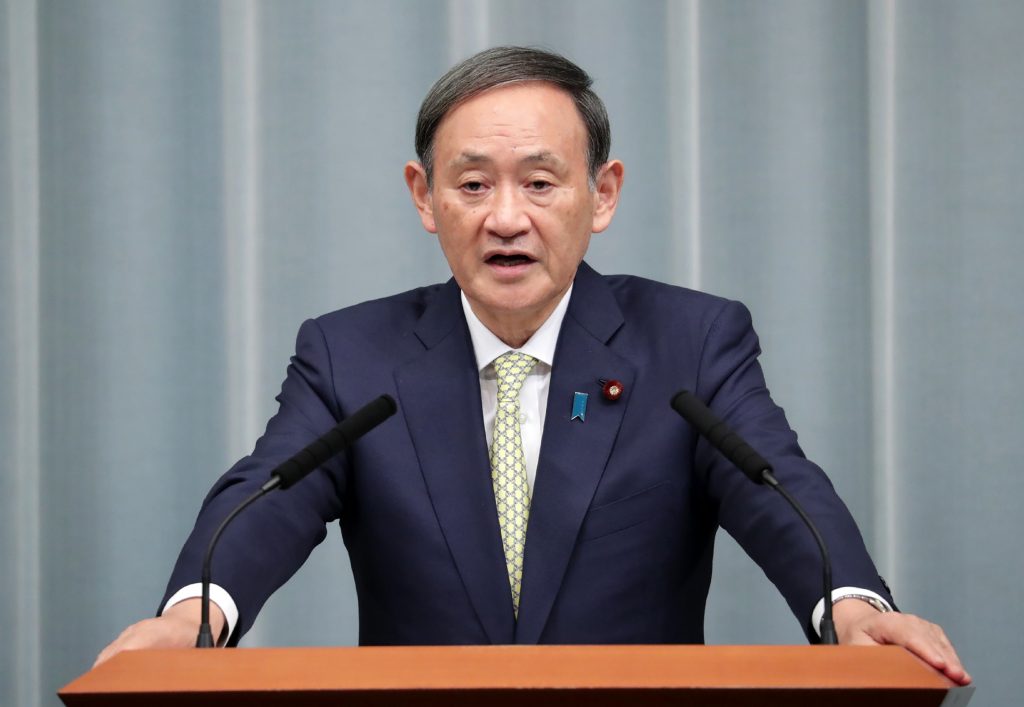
511,203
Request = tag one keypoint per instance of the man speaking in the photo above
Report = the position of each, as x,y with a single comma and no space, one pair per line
535,485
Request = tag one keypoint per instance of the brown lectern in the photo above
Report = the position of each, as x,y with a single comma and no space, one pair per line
518,675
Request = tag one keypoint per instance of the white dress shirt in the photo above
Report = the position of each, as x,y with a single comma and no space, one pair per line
533,397
533,404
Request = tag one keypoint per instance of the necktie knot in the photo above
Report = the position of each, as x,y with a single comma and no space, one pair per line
512,368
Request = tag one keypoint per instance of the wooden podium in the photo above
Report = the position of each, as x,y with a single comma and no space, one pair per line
534,676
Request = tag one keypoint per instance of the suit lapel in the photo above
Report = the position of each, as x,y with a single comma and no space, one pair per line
439,394
573,453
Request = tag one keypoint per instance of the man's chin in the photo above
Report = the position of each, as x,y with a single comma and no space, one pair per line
516,304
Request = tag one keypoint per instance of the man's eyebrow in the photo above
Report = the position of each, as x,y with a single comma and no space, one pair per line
542,157
469,158
472,158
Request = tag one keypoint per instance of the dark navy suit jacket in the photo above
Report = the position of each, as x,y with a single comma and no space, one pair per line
625,504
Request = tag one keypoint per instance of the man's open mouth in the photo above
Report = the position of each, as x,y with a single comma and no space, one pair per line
509,260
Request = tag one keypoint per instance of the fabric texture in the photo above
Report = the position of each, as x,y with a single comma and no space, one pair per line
508,467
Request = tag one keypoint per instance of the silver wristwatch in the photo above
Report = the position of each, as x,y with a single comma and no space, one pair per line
878,605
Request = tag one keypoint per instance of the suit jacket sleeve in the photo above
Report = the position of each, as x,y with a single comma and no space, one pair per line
266,544
730,380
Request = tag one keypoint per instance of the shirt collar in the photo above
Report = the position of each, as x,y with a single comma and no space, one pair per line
487,346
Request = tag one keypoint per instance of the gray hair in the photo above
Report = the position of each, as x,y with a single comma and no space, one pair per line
505,65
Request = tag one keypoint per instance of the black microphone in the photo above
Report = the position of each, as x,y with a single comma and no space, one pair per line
291,472
758,470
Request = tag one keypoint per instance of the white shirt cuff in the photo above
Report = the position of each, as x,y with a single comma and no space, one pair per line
218,595
819,608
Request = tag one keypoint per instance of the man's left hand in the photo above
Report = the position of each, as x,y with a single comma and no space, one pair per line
860,624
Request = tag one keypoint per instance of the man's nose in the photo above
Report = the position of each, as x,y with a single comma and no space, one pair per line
508,215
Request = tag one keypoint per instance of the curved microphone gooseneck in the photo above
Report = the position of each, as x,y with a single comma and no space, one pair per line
291,472
758,470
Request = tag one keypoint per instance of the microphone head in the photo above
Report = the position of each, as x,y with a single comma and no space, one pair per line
333,442
721,437
370,415
690,407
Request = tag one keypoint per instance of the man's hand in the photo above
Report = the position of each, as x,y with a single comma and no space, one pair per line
176,628
860,624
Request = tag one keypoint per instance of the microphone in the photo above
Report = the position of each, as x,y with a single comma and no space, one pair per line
287,474
758,470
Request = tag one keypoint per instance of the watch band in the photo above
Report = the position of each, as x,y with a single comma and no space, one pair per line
878,605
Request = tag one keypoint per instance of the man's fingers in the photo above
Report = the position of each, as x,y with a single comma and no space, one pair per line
127,640
105,655
161,632
922,638
954,667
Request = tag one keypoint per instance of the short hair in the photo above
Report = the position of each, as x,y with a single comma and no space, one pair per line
500,66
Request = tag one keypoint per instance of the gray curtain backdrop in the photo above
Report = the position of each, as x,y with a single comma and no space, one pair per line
183,182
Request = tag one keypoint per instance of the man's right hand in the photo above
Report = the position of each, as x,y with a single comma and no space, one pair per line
177,627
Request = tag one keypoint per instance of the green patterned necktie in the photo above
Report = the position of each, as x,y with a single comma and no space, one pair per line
508,468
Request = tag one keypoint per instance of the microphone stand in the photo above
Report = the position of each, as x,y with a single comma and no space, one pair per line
828,626
205,637
289,473
758,470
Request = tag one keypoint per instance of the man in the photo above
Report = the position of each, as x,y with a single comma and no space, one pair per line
515,498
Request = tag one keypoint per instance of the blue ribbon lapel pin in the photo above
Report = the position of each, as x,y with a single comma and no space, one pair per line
579,407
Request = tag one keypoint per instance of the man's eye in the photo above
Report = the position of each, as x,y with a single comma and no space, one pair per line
473,187
539,185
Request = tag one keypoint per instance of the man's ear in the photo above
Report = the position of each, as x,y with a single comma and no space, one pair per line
607,188
416,179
